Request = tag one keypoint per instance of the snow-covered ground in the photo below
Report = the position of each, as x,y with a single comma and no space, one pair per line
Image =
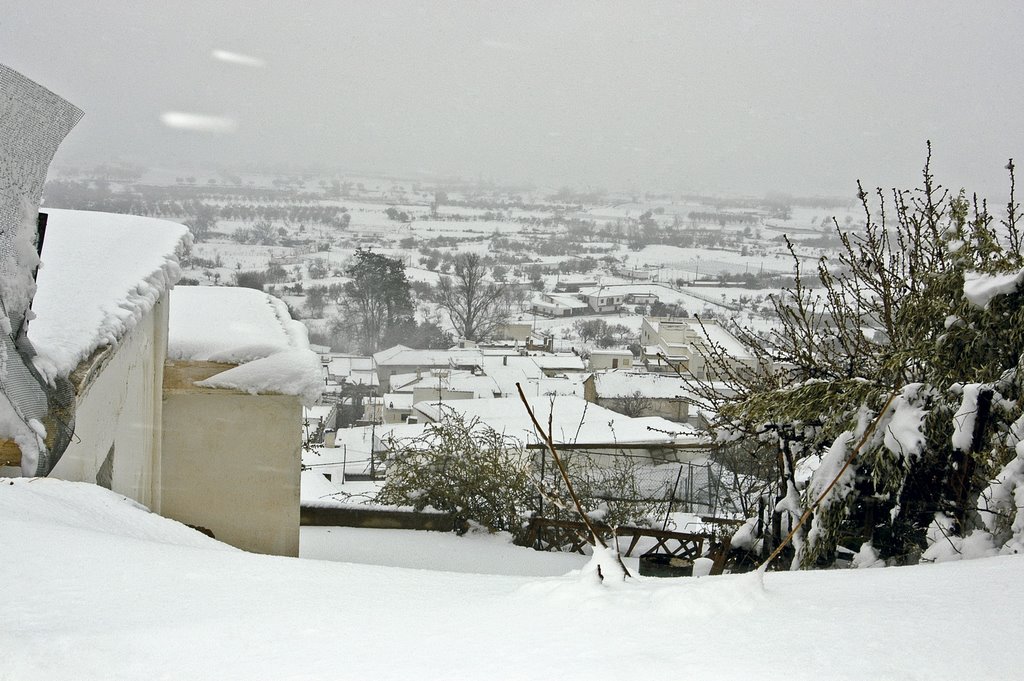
705,262
481,554
98,588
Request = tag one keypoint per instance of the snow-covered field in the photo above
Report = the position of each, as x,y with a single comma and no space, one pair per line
687,263
98,588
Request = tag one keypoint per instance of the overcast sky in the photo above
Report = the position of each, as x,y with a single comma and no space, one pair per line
803,98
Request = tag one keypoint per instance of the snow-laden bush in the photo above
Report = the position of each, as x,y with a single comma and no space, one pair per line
901,378
478,474
464,468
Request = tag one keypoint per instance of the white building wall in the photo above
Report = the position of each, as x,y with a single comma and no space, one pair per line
120,408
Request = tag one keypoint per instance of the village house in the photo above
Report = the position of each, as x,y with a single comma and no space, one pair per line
572,283
641,298
319,422
237,375
349,381
559,363
517,332
356,454
471,383
538,373
601,360
679,345
189,406
603,299
400,359
198,428
351,369
389,408
507,370
558,305
633,273
643,394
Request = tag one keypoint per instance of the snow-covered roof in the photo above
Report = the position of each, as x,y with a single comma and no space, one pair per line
248,328
506,377
564,299
101,273
354,369
520,364
721,336
453,379
345,364
572,279
602,291
626,383
353,445
398,400
568,361
570,384
673,351
576,421
400,355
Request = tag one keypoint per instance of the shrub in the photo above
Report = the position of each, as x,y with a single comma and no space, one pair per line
464,468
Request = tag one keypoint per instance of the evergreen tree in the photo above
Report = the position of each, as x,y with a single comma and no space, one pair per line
376,304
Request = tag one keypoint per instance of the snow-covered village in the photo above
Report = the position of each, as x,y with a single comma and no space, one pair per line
538,341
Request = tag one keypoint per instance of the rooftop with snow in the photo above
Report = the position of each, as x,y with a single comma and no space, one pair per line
247,328
100,274
575,421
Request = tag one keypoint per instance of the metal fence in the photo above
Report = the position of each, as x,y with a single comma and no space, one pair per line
631,487
620,486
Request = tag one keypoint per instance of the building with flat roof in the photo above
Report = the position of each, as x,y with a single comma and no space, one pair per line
679,345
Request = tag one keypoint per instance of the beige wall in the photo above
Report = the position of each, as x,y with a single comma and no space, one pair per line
513,331
428,394
599,361
119,406
236,476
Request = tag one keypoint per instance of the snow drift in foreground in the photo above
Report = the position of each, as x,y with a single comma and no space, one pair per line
101,589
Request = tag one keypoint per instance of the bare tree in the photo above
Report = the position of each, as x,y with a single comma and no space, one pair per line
633,405
476,307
